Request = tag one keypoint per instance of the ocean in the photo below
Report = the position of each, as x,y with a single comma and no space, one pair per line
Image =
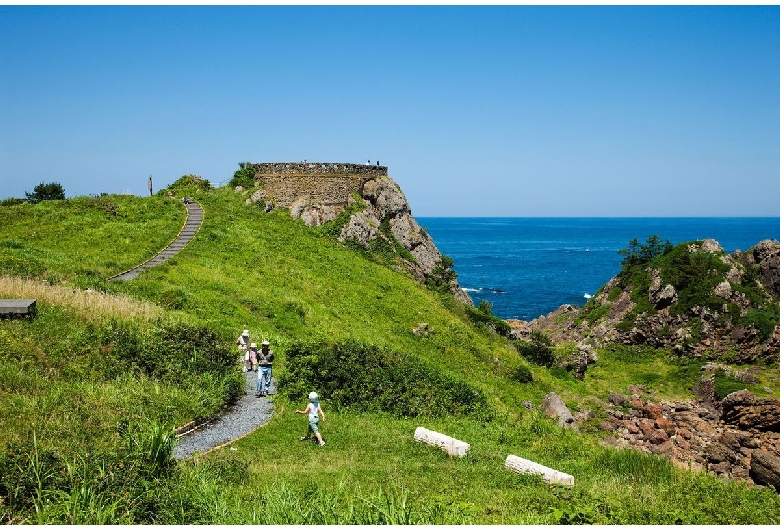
527,267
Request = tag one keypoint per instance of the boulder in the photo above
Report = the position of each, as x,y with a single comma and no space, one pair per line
767,256
554,407
744,410
765,469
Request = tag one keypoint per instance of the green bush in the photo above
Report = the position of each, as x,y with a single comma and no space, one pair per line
522,374
482,318
356,375
166,351
485,307
538,350
46,192
764,320
442,275
11,201
244,176
639,254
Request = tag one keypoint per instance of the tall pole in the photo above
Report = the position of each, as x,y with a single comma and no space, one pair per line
150,185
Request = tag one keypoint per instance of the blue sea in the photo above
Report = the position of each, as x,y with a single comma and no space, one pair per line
527,267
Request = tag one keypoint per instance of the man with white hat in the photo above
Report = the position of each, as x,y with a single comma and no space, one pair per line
243,348
265,359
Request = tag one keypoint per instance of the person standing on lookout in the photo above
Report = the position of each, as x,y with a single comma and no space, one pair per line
265,359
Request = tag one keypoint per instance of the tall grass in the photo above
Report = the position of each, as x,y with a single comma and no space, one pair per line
89,304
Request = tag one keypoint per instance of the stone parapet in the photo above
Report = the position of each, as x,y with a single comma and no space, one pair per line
324,169
322,183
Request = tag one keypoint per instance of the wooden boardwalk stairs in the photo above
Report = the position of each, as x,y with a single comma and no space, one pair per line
188,231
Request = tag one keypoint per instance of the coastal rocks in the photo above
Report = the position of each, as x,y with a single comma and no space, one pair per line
387,215
383,213
767,256
734,320
314,214
765,469
660,297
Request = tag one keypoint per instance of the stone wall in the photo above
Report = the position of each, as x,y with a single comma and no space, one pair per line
325,183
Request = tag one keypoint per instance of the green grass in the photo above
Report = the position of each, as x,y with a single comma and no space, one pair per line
84,381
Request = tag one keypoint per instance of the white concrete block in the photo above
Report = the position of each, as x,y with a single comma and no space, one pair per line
449,445
551,476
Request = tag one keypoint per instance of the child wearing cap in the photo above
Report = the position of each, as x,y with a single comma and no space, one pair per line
314,410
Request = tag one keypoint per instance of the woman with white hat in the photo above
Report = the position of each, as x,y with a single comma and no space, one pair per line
243,348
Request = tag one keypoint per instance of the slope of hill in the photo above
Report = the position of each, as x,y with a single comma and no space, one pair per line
90,395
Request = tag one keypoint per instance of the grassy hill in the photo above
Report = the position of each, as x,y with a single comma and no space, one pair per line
93,386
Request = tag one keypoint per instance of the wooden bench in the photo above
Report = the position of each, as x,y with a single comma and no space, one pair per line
17,308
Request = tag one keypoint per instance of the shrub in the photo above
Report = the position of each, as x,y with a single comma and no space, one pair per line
638,254
485,307
489,321
442,275
244,176
369,378
538,350
12,201
522,374
764,320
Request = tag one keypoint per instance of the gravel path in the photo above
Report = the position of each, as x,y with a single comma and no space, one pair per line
245,416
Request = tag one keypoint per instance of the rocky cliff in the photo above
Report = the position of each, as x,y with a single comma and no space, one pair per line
375,209
695,299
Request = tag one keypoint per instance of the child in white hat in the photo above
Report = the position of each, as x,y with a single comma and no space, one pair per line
314,410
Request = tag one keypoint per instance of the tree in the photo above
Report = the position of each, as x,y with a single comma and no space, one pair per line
442,276
486,307
637,253
52,191
244,177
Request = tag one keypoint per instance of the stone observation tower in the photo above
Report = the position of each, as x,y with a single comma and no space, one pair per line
324,183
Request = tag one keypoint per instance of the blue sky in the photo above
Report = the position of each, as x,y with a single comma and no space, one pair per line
477,111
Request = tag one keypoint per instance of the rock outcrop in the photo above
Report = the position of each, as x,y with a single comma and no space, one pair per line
694,435
381,211
554,407
738,315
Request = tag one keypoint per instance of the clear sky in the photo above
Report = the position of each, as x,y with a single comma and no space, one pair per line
477,111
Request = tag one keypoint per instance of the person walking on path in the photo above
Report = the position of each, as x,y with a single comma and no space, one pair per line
243,347
265,359
314,410
252,358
